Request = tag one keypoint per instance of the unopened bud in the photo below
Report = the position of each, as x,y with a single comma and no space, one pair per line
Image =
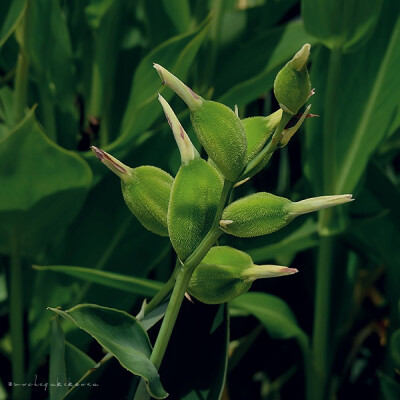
194,201
225,273
263,213
217,127
258,131
146,191
292,86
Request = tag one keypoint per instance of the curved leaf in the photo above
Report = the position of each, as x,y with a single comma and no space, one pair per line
279,321
122,336
141,286
177,55
43,186
15,13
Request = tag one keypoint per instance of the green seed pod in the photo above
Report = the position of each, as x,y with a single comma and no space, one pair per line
226,273
222,135
193,203
263,213
217,127
258,131
146,191
292,86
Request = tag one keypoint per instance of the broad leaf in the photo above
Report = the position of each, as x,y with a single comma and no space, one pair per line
141,286
177,55
363,117
44,187
343,24
123,336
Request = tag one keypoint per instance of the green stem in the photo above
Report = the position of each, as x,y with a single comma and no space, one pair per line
321,332
16,320
322,348
272,145
183,278
21,85
49,121
167,326
163,292
329,132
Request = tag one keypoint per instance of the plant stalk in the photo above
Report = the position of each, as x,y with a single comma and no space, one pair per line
322,349
21,72
16,320
321,332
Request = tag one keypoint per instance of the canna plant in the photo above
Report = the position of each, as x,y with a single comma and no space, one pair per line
195,208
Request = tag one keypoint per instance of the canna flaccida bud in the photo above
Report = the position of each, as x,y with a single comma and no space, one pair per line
263,213
292,86
226,273
258,131
217,127
146,191
194,195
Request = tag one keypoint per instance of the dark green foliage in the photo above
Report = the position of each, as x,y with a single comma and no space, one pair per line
75,74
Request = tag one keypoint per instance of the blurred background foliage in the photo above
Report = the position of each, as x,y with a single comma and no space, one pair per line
79,73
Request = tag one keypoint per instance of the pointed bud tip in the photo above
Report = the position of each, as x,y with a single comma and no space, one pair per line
97,152
317,203
299,61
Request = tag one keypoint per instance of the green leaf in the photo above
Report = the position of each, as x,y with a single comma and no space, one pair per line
395,347
77,362
58,183
345,24
272,312
141,286
389,387
48,46
367,103
58,374
15,13
121,335
284,244
95,11
279,321
177,55
179,13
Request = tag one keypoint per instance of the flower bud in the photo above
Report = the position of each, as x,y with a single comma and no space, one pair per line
194,201
217,127
263,213
292,86
187,150
258,131
146,191
226,273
